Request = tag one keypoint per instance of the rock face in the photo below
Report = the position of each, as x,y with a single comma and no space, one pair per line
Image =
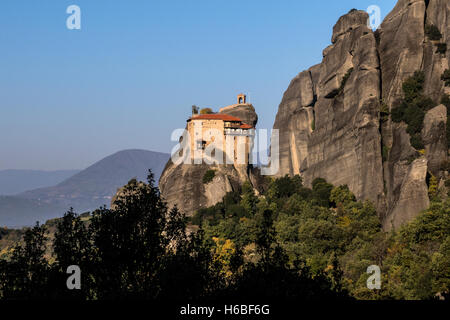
295,120
245,112
413,196
329,118
182,185
434,137
405,48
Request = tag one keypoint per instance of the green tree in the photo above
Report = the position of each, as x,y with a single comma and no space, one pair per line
265,235
26,275
72,246
129,242
433,188
433,32
342,195
249,199
441,270
206,111
321,192
209,176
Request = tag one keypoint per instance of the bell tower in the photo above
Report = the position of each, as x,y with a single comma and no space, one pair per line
241,98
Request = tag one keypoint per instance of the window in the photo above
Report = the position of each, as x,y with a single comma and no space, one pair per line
201,145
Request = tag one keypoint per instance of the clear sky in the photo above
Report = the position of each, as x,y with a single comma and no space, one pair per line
131,74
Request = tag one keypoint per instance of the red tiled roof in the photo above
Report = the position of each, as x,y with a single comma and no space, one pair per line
246,126
215,116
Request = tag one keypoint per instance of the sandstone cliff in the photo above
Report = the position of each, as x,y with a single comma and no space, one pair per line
330,122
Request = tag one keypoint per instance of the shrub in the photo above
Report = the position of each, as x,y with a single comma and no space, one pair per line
433,188
445,166
432,32
441,48
206,111
337,92
344,79
342,195
313,125
446,77
321,192
209,176
397,114
445,100
412,109
284,187
448,133
413,86
416,142
384,112
332,94
424,103
414,118
447,183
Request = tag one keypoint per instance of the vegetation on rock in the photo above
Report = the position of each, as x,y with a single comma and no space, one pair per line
441,48
446,77
340,90
209,176
445,100
432,32
327,231
206,111
345,79
413,107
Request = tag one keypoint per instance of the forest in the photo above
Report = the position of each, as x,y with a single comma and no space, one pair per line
288,242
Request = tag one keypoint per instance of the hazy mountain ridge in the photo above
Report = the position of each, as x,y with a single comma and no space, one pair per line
17,212
84,191
13,182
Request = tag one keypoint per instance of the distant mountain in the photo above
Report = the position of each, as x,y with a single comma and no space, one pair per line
16,212
17,181
84,191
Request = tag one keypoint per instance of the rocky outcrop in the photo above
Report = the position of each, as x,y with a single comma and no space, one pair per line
345,145
438,14
405,48
183,185
401,36
413,196
434,138
245,112
295,120
329,118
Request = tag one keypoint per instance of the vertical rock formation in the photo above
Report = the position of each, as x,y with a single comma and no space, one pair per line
345,145
329,118
295,120
182,185
405,48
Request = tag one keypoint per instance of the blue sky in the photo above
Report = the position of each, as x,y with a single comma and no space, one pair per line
129,77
